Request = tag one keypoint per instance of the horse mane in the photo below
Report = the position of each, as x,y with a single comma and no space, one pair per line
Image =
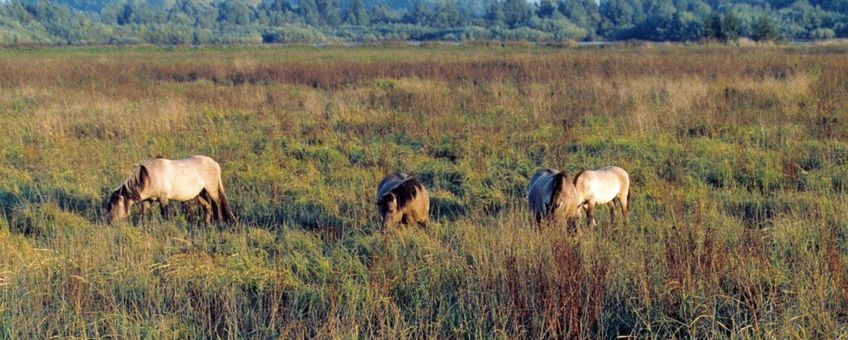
557,186
578,176
406,191
136,182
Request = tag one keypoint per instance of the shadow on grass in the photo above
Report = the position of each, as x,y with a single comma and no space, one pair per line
87,206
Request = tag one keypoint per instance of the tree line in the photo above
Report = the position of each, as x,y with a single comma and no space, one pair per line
271,21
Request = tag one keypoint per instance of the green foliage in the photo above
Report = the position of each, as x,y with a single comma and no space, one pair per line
514,13
234,12
731,27
357,14
237,21
764,29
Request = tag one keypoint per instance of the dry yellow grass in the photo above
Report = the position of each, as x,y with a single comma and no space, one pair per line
737,154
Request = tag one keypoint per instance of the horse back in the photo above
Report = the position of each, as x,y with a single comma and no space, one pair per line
182,177
602,184
389,183
618,174
540,189
546,172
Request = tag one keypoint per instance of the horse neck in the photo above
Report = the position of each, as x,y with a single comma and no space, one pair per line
578,189
140,194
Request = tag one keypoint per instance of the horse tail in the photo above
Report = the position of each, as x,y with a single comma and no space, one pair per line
629,198
225,207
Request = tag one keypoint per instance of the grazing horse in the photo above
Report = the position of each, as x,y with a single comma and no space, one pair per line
164,180
603,186
552,196
402,198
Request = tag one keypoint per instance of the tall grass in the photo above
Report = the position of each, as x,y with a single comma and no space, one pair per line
737,155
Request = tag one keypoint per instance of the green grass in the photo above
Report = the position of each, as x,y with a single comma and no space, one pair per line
737,156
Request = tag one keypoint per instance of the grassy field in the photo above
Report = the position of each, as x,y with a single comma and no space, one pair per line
738,158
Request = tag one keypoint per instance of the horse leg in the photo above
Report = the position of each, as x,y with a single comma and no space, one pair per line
186,208
571,225
422,219
216,205
611,205
145,208
590,215
625,205
207,207
164,209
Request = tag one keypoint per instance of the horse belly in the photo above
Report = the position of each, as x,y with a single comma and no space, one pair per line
604,193
184,195
185,188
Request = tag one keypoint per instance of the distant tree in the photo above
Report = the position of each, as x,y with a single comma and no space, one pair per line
547,9
516,13
308,11
357,14
495,14
383,14
840,6
222,21
276,12
619,16
330,12
731,26
447,14
764,28
689,27
822,33
419,14
194,13
660,24
584,13
85,5
780,3
712,26
133,12
234,12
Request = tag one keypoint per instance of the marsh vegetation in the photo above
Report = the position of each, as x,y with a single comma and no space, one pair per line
737,159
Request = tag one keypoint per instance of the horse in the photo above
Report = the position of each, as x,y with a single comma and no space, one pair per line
603,186
552,197
402,198
163,180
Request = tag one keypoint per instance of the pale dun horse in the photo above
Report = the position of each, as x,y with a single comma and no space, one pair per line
603,186
165,180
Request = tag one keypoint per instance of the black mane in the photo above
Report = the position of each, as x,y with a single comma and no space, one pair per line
406,191
557,187
578,176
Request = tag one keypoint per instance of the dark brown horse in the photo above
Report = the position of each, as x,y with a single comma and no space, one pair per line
402,198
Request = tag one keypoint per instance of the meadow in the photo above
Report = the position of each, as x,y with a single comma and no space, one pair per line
737,155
